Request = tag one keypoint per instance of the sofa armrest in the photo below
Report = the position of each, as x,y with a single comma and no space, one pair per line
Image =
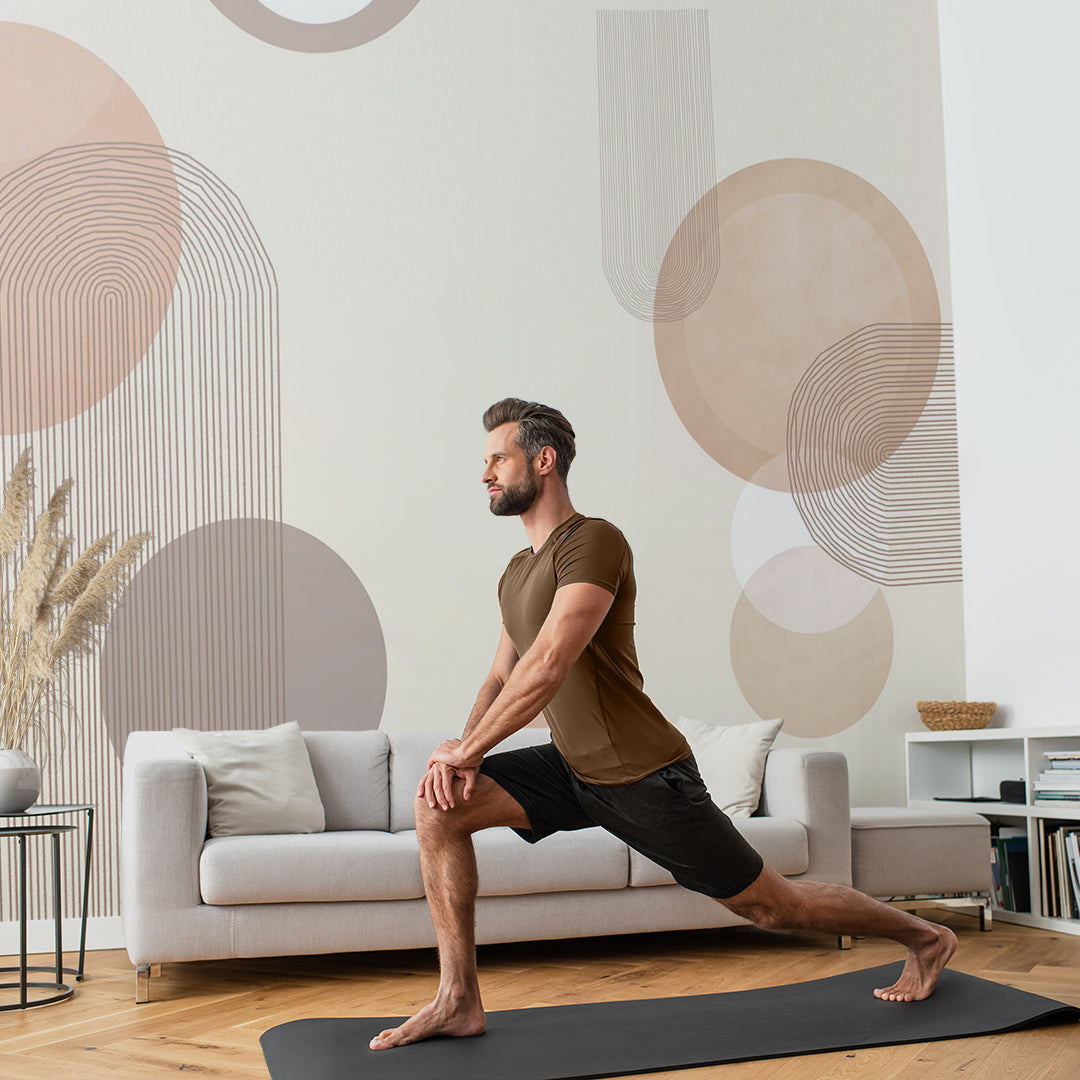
811,786
163,825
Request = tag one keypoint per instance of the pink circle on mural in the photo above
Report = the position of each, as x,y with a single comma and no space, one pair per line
59,94
90,230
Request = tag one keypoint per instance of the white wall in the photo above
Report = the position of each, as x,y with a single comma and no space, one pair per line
1010,87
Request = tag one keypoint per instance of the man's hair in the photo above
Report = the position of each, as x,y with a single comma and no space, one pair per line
538,426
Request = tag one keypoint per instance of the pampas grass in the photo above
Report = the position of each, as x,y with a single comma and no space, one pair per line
54,612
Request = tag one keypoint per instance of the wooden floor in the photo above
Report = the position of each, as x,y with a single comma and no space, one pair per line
206,1018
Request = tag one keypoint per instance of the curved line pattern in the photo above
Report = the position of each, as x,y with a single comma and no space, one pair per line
872,454
657,160
139,355
372,21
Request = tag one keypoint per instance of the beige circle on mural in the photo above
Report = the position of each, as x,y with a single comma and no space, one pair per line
56,93
819,683
806,591
809,253
318,27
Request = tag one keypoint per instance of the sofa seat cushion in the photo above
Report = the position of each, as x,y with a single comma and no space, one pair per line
781,842
904,851
586,859
328,866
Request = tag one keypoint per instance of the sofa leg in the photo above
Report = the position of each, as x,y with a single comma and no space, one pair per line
843,941
143,975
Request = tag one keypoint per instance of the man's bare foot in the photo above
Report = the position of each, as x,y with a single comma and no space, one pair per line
923,968
438,1018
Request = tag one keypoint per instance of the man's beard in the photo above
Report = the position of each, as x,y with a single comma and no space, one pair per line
514,500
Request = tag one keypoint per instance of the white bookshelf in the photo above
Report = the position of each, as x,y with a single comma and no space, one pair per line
966,764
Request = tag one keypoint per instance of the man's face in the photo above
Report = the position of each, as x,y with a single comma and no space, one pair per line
508,476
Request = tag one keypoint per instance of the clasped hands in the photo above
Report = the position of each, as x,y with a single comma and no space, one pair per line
446,764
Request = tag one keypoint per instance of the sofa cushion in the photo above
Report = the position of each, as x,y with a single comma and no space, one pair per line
258,781
563,862
731,760
908,851
781,842
350,770
317,867
409,753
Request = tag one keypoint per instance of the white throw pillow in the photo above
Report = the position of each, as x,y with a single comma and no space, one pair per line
731,760
257,781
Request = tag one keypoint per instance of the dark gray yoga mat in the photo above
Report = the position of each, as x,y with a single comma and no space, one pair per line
617,1038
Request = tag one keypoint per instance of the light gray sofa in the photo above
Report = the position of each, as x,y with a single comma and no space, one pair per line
357,886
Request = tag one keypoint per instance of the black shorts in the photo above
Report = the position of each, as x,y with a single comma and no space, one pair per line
667,816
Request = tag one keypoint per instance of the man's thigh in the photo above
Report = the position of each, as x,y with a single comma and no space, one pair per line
537,779
669,818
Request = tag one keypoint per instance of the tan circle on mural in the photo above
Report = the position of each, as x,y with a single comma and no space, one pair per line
56,93
809,253
314,33
819,683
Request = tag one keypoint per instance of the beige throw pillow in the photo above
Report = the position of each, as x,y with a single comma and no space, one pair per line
257,781
731,760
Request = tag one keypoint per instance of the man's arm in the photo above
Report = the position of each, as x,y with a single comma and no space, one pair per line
576,614
437,783
502,668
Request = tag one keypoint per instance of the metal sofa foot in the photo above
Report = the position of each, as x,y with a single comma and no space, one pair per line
143,975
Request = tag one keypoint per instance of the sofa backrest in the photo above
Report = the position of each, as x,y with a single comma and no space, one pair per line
350,770
409,753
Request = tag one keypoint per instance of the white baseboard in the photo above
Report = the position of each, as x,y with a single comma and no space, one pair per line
103,933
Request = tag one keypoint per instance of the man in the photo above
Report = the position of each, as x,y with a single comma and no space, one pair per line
567,649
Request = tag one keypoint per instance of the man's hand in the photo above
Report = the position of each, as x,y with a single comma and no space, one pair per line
446,764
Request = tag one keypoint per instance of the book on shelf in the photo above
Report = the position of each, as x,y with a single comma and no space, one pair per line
1059,863
1012,884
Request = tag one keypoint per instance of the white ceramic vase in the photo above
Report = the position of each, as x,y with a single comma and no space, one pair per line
20,781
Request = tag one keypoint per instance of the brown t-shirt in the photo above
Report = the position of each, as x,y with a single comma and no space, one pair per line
601,720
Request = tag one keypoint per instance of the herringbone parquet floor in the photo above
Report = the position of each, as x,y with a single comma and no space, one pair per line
206,1018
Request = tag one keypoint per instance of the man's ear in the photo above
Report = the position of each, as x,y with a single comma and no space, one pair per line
546,460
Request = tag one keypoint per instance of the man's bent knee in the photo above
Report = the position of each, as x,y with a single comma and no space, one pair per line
769,902
760,914
488,805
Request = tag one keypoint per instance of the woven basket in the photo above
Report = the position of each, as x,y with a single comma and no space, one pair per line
956,715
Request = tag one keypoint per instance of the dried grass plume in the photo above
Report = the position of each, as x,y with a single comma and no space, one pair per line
52,611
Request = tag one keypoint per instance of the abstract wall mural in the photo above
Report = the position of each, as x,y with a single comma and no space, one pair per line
139,354
657,159
279,627
815,366
316,25
879,493
264,262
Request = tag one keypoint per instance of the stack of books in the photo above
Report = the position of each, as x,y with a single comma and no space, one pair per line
1059,864
1059,783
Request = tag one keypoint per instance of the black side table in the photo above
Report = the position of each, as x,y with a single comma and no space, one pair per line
24,825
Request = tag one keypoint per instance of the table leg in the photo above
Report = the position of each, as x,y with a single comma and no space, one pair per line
57,909
86,888
22,921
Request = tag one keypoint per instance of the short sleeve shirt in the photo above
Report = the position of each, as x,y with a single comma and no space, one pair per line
602,721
